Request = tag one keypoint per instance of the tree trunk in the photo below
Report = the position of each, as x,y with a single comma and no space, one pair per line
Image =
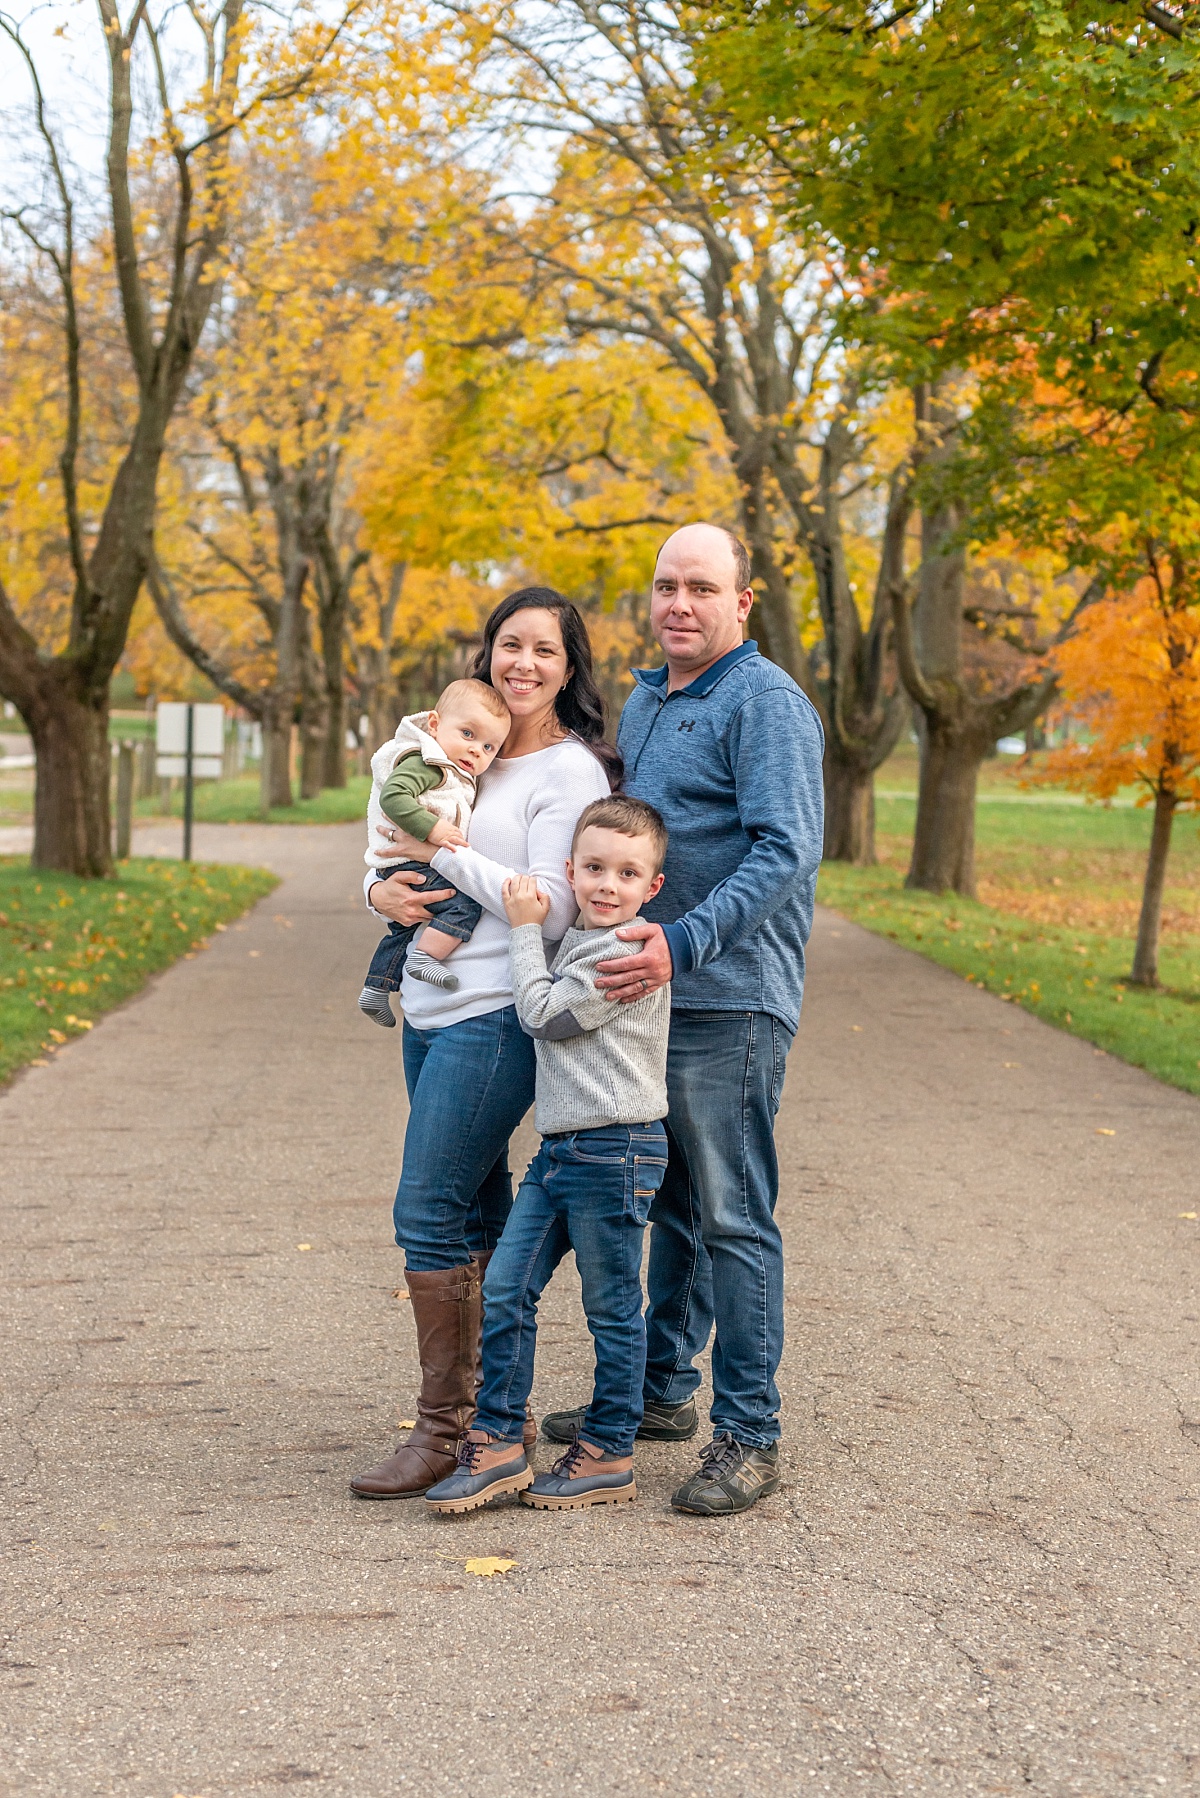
943,851
333,671
313,742
1145,956
333,770
275,775
71,813
314,717
849,810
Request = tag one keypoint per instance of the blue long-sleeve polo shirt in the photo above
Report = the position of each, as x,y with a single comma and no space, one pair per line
733,763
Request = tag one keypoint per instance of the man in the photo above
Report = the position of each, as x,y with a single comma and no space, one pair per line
729,750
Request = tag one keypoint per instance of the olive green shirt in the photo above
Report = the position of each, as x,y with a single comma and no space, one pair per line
401,795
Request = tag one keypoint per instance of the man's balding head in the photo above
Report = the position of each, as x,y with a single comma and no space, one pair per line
701,598
737,549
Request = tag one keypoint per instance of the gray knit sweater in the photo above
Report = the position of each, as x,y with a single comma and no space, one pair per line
598,1062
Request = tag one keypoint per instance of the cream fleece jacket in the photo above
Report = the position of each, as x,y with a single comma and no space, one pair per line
452,800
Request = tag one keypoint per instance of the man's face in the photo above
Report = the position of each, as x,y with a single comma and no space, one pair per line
696,610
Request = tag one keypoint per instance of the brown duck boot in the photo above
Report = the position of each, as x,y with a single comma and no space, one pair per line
446,1311
529,1433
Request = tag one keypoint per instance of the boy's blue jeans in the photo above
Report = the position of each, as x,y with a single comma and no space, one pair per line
589,1191
457,916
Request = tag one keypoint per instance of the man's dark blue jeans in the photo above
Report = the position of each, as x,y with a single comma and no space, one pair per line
457,916
715,1250
589,1191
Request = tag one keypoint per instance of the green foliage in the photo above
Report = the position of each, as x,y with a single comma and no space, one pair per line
72,948
999,170
237,802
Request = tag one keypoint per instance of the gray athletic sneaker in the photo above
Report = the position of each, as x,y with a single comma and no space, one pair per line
732,1477
660,1423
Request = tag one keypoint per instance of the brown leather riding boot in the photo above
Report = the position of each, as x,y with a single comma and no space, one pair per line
480,1259
446,1311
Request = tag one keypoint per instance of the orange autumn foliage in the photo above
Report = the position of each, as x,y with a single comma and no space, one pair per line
1131,677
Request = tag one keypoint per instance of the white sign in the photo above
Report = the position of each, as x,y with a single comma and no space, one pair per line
208,740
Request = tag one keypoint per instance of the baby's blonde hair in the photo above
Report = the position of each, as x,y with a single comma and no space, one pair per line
459,692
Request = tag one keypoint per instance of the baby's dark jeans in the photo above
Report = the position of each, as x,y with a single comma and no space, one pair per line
457,916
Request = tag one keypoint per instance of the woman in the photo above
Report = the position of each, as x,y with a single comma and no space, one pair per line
468,1065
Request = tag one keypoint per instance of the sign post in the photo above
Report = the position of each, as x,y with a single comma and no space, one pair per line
189,784
190,741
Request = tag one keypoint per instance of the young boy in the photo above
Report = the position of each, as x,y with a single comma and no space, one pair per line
424,781
601,1098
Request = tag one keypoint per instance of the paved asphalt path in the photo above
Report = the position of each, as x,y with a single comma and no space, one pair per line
979,1576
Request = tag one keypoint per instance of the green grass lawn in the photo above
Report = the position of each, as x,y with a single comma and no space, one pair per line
71,949
236,802
1053,930
16,795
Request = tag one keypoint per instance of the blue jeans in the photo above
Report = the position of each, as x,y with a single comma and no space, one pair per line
469,1086
589,1191
716,1255
457,916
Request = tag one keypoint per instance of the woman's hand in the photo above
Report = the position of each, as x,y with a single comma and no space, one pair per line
395,899
523,902
408,849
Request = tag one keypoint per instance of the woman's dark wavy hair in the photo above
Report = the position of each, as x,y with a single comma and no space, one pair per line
580,704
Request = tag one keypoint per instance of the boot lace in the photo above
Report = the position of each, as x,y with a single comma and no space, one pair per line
721,1456
566,1464
468,1453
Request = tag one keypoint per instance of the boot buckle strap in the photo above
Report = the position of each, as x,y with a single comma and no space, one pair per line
456,1294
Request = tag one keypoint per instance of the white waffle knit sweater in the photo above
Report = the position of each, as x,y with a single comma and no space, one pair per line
598,1062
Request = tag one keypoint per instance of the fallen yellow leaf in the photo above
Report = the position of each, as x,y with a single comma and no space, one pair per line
1190,1214
401,1292
1106,1133
304,1245
487,1565
410,1423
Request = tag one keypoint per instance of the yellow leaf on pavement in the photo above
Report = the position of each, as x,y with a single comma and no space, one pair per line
1106,1133
488,1565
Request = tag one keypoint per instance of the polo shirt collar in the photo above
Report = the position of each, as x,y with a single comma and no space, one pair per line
703,683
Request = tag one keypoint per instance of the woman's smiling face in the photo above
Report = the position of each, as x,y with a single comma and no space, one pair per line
529,664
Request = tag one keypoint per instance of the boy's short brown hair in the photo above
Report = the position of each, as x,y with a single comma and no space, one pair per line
632,817
461,691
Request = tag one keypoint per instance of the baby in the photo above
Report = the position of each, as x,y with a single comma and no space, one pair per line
424,781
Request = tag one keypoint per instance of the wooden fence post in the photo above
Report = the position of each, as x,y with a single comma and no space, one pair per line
124,800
